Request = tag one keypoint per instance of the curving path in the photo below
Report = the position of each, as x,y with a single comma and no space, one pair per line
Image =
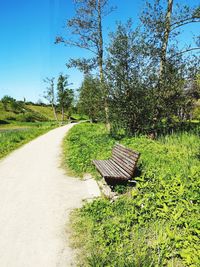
36,198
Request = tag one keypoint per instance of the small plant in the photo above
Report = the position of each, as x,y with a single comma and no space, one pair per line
156,223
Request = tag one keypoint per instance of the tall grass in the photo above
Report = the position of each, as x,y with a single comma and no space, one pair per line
12,138
154,224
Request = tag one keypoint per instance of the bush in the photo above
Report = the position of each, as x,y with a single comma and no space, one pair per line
4,122
11,118
30,117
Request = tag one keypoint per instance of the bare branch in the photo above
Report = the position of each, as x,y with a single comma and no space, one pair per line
74,43
184,22
185,51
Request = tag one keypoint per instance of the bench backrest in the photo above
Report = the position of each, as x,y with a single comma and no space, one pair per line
125,158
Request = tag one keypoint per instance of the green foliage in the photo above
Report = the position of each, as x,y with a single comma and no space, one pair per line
90,99
146,79
154,224
142,99
79,152
6,100
64,94
46,112
49,94
14,136
9,103
131,99
31,117
196,112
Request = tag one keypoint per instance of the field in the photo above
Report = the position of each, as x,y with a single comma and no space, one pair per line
155,223
22,124
18,127
16,134
37,112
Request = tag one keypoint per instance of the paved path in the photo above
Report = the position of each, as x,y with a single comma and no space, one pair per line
35,200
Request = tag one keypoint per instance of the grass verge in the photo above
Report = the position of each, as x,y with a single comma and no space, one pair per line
154,224
17,134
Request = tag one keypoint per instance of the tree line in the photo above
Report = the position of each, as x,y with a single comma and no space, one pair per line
57,93
144,79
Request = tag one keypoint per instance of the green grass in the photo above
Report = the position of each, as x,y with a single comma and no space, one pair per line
154,224
83,144
33,113
36,112
5,114
15,135
45,111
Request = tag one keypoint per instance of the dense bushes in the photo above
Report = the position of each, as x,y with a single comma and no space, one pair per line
154,224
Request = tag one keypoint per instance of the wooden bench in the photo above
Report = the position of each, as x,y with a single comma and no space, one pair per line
120,167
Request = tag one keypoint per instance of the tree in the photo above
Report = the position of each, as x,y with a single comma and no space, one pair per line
5,101
14,105
165,40
87,28
90,98
161,27
131,99
64,94
147,72
191,97
161,20
49,94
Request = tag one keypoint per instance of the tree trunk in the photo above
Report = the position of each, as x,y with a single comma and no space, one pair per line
54,112
100,63
166,38
62,113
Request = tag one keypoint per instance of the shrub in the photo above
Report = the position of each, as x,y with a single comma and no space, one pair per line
30,117
3,122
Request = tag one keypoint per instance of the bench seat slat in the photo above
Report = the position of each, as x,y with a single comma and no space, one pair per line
119,169
100,165
103,168
130,161
108,169
114,171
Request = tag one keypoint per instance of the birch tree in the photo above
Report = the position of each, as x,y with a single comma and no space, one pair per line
162,21
87,29
49,94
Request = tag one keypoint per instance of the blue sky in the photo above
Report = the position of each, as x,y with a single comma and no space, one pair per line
27,50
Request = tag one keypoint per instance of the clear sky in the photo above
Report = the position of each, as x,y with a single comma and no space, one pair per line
27,50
